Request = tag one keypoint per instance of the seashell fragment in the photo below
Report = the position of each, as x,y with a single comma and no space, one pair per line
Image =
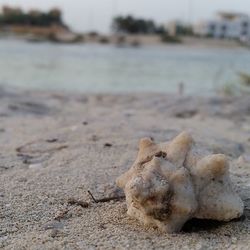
170,183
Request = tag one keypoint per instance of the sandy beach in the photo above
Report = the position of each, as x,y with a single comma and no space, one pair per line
57,146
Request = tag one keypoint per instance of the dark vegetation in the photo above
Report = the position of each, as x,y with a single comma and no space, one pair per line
184,30
36,18
132,25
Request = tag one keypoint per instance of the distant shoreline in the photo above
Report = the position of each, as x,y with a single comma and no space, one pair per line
120,40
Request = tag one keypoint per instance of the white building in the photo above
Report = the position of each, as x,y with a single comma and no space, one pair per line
226,25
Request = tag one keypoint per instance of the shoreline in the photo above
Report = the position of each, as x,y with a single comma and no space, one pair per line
126,40
53,149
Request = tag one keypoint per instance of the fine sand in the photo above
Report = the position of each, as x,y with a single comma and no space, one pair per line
55,147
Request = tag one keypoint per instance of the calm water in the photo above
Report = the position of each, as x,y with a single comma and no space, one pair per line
106,68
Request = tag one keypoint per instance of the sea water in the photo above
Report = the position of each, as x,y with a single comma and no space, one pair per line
107,68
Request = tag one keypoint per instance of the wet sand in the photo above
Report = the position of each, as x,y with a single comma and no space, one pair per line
56,146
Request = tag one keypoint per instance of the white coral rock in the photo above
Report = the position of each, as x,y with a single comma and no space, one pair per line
170,183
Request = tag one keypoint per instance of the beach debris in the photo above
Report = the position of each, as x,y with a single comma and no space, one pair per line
66,212
61,214
173,182
108,145
73,201
85,123
185,114
52,140
106,199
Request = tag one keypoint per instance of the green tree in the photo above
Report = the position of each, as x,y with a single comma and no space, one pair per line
132,25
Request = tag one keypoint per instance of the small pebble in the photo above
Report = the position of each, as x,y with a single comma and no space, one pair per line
36,166
234,240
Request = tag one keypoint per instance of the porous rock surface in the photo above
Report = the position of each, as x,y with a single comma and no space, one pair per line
170,183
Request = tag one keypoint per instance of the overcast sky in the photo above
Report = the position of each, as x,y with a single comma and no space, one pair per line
85,15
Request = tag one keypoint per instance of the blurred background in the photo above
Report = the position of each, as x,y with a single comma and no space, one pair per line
183,46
